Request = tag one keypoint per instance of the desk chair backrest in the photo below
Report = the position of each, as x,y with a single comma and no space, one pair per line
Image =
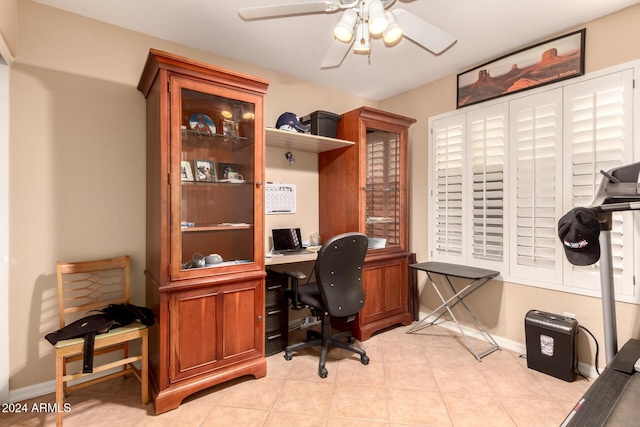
91,285
339,273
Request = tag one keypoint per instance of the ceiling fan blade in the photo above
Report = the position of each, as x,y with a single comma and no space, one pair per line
422,32
336,54
260,12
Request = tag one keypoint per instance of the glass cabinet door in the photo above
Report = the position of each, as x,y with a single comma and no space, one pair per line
213,210
383,188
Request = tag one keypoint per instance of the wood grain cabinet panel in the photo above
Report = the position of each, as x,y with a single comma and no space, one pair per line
194,341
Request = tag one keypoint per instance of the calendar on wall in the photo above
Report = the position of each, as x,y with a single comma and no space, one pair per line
280,198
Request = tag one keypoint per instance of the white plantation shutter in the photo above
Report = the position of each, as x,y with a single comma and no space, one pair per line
503,173
598,117
487,132
536,193
383,183
448,136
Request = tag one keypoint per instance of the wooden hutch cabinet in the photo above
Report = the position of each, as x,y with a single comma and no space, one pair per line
203,124
364,188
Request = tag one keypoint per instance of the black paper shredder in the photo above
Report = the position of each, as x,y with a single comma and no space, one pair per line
551,344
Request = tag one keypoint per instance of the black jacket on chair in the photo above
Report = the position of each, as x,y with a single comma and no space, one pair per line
111,317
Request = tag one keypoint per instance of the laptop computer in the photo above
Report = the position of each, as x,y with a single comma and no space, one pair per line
287,241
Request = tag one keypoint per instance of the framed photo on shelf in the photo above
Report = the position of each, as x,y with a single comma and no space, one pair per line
186,173
225,168
205,170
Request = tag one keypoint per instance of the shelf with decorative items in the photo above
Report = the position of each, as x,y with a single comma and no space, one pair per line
303,141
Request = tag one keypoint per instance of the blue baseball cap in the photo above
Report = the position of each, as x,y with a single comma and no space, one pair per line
290,122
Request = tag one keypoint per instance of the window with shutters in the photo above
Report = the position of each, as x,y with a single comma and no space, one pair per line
598,129
449,136
536,194
383,186
502,174
487,133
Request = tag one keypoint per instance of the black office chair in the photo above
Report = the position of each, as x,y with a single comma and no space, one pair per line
338,292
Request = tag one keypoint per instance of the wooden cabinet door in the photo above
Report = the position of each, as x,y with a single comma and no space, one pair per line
194,332
385,285
242,316
214,326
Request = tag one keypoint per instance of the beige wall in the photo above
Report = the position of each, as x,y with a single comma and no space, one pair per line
77,164
8,29
610,40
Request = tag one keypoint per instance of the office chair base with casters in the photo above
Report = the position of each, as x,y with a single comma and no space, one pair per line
325,340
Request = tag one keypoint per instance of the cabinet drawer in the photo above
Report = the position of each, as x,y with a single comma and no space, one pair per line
276,284
275,317
274,343
273,295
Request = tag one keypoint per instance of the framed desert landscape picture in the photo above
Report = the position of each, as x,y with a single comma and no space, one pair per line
541,64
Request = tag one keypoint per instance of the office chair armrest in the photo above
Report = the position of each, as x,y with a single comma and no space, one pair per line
297,275
292,293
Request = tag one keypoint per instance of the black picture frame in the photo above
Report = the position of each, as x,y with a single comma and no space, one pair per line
225,168
541,64
205,170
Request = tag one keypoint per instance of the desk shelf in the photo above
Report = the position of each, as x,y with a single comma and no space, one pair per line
303,141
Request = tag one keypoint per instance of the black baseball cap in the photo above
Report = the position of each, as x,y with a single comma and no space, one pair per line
289,121
579,230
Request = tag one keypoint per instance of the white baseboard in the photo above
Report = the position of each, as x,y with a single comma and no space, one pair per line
47,387
585,369
29,392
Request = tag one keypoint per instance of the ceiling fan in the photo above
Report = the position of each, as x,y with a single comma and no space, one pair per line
361,20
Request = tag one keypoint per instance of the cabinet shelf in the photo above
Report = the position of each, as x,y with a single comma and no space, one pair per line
217,227
186,133
303,141
196,138
380,220
224,182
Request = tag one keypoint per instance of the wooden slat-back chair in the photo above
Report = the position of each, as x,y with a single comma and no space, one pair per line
93,285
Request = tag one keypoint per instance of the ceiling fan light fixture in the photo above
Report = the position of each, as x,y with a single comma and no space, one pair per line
378,21
361,44
393,33
344,29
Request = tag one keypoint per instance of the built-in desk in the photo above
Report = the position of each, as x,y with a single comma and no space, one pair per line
277,303
289,259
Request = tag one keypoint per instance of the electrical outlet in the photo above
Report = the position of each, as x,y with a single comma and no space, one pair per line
571,315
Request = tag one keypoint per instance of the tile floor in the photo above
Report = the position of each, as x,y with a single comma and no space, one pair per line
428,378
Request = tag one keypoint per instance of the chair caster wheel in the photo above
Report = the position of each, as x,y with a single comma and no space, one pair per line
351,340
322,373
288,355
364,360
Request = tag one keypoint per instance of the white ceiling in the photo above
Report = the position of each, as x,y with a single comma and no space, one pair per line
296,45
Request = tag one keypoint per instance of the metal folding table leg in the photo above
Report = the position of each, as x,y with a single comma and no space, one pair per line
458,296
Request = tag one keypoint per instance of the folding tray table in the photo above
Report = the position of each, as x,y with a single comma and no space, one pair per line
477,277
